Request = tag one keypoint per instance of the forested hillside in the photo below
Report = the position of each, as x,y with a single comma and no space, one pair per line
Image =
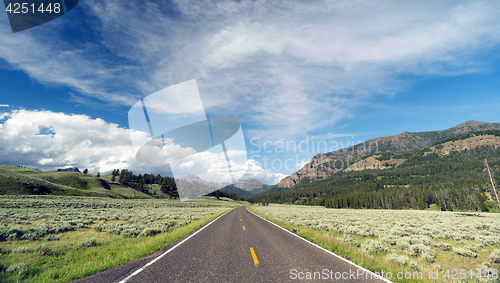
404,142
450,175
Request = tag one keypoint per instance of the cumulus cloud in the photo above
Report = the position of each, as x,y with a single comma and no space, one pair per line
50,140
265,176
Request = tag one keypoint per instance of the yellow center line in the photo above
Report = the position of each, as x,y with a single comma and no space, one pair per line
255,260
244,228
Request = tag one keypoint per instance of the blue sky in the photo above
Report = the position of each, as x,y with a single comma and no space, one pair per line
288,71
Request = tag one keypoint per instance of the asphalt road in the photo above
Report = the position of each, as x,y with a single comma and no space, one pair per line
239,247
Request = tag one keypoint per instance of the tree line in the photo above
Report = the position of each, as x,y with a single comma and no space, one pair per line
167,184
467,135
137,182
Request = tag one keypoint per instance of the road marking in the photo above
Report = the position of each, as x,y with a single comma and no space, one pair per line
243,227
330,252
171,249
255,260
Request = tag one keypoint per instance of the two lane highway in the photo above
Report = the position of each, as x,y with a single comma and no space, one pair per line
242,247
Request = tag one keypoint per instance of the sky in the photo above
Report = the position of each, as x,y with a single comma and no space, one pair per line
292,72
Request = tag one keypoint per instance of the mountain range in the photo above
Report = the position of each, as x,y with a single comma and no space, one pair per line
69,169
445,170
405,141
241,188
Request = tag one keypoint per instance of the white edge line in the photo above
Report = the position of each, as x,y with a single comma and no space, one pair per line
330,252
172,248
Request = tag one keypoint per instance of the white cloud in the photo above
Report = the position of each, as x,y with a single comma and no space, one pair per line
153,153
262,175
177,100
187,165
57,62
74,140
50,140
285,69
4,105
213,166
234,44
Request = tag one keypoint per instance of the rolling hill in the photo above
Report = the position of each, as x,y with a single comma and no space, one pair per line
25,181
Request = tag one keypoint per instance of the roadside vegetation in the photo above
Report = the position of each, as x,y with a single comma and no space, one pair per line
58,239
400,240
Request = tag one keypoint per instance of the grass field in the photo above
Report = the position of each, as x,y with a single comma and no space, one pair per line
401,240
58,239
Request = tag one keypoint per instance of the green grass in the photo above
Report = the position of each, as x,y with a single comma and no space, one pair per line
69,260
434,207
24,181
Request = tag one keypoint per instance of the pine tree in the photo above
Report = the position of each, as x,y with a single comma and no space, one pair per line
449,207
442,206
481,199
421,204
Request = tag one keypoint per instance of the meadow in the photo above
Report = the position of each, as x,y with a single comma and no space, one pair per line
58,238
401,240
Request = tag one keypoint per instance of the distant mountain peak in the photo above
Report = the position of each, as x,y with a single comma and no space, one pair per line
246,185
193,178
249,185
69,169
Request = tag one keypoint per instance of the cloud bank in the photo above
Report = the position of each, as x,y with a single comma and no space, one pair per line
50,140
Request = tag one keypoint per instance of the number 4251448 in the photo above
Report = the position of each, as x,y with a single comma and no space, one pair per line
455,274
24,8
